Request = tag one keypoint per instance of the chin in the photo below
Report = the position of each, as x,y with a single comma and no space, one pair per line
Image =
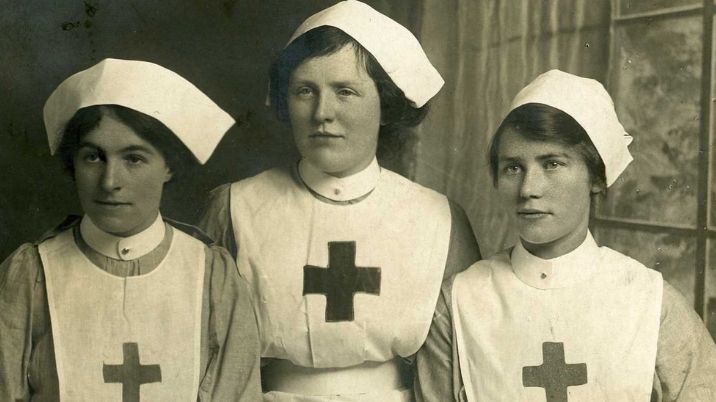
331,164
114,226
537,237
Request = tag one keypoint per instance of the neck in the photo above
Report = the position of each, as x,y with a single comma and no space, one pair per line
558,247
351,171
122,247
338,188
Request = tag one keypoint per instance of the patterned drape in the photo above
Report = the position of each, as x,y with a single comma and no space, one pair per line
487,50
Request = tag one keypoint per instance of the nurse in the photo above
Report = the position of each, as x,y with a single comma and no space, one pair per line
345,257
557,317
121,304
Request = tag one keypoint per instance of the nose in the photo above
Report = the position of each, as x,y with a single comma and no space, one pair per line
532,185
324,108
111,179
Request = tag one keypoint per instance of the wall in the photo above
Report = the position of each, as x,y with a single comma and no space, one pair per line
223,47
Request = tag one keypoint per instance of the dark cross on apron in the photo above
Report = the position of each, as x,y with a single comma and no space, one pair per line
554,375
340,281
131,374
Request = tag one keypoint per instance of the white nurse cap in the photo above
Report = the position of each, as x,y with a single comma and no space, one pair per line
145,87
587,102
392,45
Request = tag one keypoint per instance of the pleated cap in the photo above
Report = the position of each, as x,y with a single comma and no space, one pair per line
394,47
587,102
145,87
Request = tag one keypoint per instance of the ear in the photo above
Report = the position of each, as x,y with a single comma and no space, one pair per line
168,174
598,187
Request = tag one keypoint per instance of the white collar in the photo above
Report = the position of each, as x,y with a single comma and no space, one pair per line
123,248
340,188
566,270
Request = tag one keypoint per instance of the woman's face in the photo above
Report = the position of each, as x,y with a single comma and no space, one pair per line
119,177
334,110
547,187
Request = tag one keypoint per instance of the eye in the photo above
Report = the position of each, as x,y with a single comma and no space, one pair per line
135,159
90,156
512,169
553,165
304,92
346,92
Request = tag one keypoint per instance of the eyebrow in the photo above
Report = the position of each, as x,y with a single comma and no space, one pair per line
131,148
540,157
508,159
346,83
554,155
334,84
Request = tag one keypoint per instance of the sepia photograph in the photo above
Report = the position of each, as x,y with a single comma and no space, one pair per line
358,201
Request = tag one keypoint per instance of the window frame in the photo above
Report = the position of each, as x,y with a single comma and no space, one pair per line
703,231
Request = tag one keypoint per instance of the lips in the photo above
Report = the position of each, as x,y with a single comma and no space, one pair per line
111,203
325,134
531,213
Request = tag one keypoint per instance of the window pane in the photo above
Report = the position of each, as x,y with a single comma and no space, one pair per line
655,82
710,299
672,255
639,6
712,177
712,173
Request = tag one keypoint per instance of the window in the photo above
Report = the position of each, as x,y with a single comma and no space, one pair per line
661,211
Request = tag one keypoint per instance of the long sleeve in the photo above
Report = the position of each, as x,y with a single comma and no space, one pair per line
216,220
464,250
19,277
437,369
233,370
686,355
436,377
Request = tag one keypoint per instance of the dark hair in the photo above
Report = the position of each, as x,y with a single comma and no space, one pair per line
396,111
177,156
539,122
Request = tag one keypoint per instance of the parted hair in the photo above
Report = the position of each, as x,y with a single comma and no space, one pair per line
177,156
395,109
540,122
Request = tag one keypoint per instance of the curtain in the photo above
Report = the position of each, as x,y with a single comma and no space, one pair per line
487,50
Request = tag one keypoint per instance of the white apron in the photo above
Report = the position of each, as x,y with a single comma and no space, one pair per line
339,285
588,335
125,339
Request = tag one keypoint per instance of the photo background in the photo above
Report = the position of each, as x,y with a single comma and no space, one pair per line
650,55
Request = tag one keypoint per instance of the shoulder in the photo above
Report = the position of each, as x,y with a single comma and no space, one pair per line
399,192
218,258
193,231
254,191
24,265
480,273
272,178
409,187
21,270
27,252
68,223
627,267
673,304
220,194
223,275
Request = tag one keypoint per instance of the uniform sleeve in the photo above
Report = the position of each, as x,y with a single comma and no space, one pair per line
463,250
686,355
19,276
437,370
216,220
233,370
436,377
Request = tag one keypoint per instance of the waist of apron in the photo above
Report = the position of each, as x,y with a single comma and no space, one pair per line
367,378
